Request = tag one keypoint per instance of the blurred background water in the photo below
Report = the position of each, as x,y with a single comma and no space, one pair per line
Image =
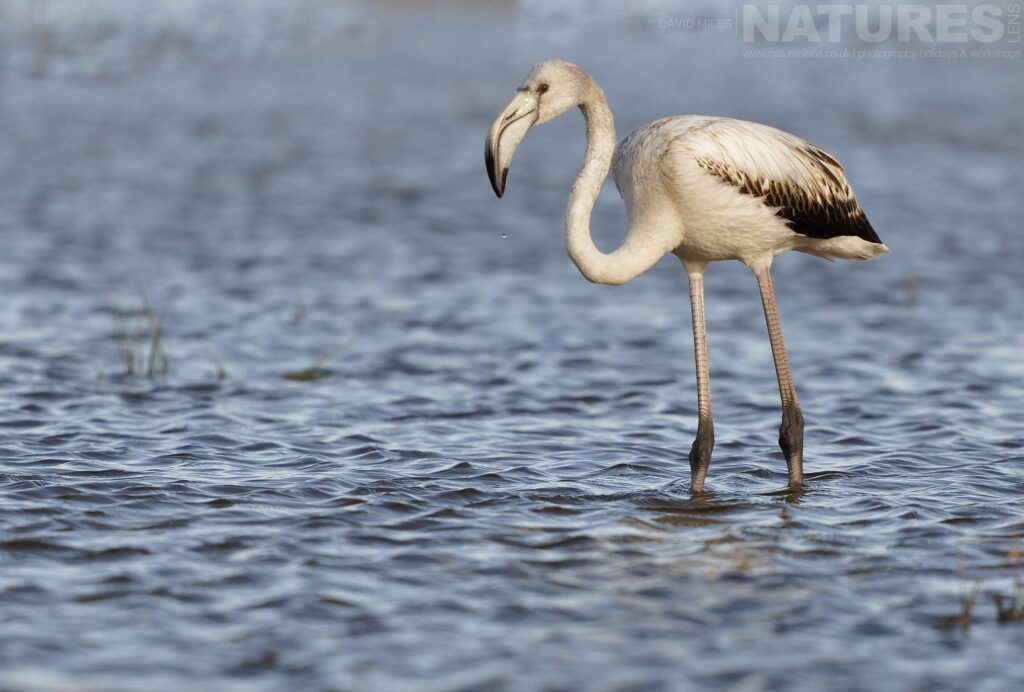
288,400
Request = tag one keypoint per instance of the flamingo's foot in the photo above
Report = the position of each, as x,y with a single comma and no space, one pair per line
700,455
791,440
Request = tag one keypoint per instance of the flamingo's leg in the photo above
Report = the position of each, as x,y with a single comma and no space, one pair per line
700,452
791,433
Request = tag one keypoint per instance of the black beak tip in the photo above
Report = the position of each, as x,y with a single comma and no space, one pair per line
497,183
498,186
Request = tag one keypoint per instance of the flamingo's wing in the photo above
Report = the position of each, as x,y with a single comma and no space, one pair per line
807,186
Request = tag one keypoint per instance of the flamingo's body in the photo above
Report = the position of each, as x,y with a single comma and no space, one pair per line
704,189
728,180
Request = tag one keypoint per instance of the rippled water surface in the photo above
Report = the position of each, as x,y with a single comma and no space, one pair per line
401,444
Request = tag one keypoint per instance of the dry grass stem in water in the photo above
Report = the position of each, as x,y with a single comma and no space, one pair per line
968,597
142,351
1010,609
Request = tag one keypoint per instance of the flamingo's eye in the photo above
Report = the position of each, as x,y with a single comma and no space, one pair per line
541,88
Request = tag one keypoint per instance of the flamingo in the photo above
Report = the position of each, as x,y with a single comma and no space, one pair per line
704,189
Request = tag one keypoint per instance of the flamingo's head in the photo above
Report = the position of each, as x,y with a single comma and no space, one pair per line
551,89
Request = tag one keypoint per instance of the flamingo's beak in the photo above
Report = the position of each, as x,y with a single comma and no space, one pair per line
505,135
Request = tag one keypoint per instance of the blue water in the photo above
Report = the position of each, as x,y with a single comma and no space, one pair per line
390,438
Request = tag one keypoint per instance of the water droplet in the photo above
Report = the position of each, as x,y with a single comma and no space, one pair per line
504,235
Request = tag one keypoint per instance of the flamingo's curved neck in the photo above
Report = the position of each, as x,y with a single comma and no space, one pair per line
642,247
592,263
